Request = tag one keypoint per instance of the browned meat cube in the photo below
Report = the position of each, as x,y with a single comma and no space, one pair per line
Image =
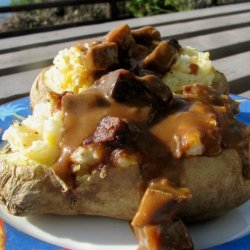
86,45
120,85
167,236
176,236
146,35
112,130
174,43
102,56
121,36
162,58
155,225
160,203
159,92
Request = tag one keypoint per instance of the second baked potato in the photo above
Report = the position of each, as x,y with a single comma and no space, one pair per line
140,51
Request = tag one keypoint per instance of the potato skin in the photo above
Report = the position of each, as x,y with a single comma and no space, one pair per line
217,185
27,190
220,83
39,90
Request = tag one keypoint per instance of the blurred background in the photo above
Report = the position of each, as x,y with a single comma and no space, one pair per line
28,16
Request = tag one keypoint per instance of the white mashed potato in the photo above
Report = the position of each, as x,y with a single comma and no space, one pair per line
191,66
38,137
68,72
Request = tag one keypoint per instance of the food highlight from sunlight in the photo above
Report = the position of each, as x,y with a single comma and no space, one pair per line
131,127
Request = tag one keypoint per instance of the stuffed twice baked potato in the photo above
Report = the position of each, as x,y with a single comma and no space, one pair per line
108,137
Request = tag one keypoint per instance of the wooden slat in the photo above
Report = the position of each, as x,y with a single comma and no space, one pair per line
27,58
221,44
46,38
204,26
246,94
17,84
236,69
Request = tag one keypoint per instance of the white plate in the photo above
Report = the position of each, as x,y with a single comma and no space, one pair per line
96,233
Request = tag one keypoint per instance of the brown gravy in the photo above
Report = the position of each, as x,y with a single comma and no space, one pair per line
187,122
83,112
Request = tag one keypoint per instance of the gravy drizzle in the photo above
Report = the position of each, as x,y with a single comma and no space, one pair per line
188,126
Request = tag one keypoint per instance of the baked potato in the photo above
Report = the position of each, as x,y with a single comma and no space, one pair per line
108,137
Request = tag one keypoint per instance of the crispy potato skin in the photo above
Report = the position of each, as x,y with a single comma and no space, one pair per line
217,185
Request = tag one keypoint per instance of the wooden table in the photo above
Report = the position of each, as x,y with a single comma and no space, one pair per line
224,31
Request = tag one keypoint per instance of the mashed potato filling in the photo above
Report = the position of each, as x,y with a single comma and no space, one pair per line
191,66
38,137
68,72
